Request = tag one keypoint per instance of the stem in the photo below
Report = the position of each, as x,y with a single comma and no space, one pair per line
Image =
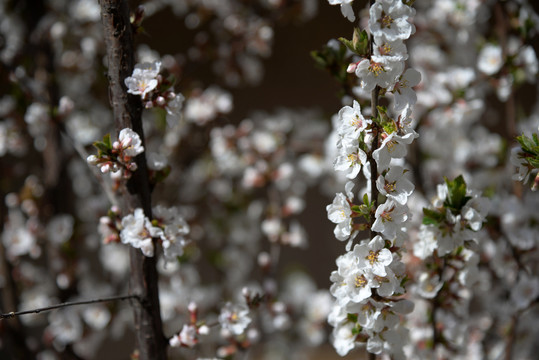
436,335
66,304
127,109
372,162
372,356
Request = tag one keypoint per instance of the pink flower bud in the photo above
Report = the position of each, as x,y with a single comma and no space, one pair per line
160,101
105,168
351,68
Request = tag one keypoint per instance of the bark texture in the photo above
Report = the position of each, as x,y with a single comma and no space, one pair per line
137,193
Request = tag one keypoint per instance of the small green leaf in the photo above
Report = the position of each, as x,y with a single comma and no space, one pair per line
360,42
527,144
101,147
349,44
432,217
533,162
456,197
106,141
366,199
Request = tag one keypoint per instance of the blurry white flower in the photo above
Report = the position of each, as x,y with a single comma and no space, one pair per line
235,318
490,60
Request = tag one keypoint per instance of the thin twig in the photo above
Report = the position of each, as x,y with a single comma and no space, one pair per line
66,304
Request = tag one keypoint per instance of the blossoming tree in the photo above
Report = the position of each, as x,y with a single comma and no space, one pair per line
143,217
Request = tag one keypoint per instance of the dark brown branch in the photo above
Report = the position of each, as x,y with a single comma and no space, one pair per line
372,162
137,193
66,304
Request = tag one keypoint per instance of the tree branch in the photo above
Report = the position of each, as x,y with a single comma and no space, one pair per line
137,192
66,304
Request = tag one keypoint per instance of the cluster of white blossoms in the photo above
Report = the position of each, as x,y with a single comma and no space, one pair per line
371,276
144,79
450,226
153,89
169,227
448,244
120,155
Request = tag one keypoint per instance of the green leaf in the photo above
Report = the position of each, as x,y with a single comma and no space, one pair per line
387,123
360,42
534,162
106,141
101,147
432,217
366,199
456,197
349,44
527,144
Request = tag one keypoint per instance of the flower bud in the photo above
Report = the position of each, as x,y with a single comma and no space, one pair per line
105,168
92,160
192,307
204,330
160,101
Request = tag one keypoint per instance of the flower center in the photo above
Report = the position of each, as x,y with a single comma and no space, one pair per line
386,20
391,145
360,281
390,187
385,49
376,68
356,121
386,216
372,257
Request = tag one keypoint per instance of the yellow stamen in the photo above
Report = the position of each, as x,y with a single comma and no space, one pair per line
376,68
360,281
372,257
390,187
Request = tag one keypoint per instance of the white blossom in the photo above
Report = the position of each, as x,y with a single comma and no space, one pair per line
395,185
339,213
404,94
389,18
346,8
130,142
373,256
390,217
138,232
378,71
235,318
490,59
